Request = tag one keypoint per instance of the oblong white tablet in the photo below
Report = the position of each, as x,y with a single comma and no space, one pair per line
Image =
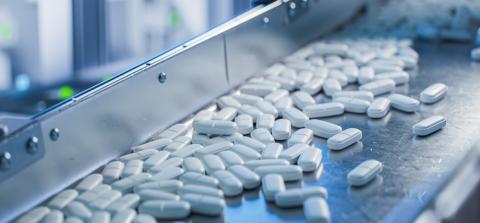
140,155
296,117
365,75
364,95
244,123
62,199
433,93
186,151
199,189
250,142
324,110
313,86
267,108
310,159
112,171
344,139
304,136
214,148
198,178
168,173
155,159
193,164
331,86
379,108
89,182
203,204
339,76
150,194
247,99
228,101
215,127
353,105
292,153
257,90
322,128
126,184
316,210
282,129
288,172
271,185
250,110
230,158
230,185
79,210
253,164
262,135
302,99
34,215
296,197
181,141
132,167
429,125
404,103
272,151
226,114
165,209
212,163
54,216
248,178
379,87
283,103
364,172
266,121
125,202
400,77
172,162
245,152
171,186
276,95
155,144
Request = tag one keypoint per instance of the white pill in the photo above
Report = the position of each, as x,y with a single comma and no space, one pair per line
283,103
54,216
214,148
199,189
245,152
125,202
62,199
364,95
90,195
262,81
140,155
353,105
230,158
296,117
228,101
144,218
344,139
303,77
364,172
378,108
282,129
271,185
276,95
247,99
267,108
226,114
173,131
322,128
330,49
178,143
289,73
331,86
429,125
186,151
365,75
339,76
302,99
287,84
171,186
205,205
150,194
475,54
112,171
126,184
124,216
215,127
310,159
400,77
34,215
313,86
212,163
296,197
320,72
253,164
404,103
257,90
133,167
197,178
230,185
165,209
250,110
316,210
266,121
172,162
433,93
288,172
193,164
248,178
262,135
316,61
351,71
155,144
204,115
155,159
272,151
379,87
105,199
275,69
250,142
89,182
168,173
304,136
78,209
292,153
324,110
73,219
244,123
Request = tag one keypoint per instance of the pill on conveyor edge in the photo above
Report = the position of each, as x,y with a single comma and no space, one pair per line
272,151
283,103
144,218
230,158
230,185
186,151
365,75
404,103
165,209
150,194
339,76
353,105
364,172
172,162
173,131
198,178
155,144
155,159
215,127
193,164
250,142
112,171
214,148
379,87
225,114
125,202
324,110
248,178
262,135
276,95
179,142
351,71
140,155
296,117
89,182
54,216
132,167
344,139
429,125
203,204
90,195
34,215
400,77
78,209
292,153
304,136
246,99
168,173
101,217
302,99
313,86
331,86
228,101
310,159
124,216
171,186
287,84
73,219
267,108
475,54
316,210
433,93
266,121
212,163
127,184
288,172
364,95
282,129
62,199
271,185
105,199
296,197
199,189
250,110
303,77
322,128
253,164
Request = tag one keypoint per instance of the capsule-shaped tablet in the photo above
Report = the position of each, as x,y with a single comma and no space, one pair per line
331,86
351,71
248,178
112,171
304,136
54,216
302,99
282,129
172,162
200,179
287,84
127,201
79,210
272,151
228,101
322,128
262,135
433,93
155,144
199,189
230,158
283,103
292,153
212,163
288,172
226,114
364,95
150,194
250,110
247,99
253,164
62,199
313,86
126,184
154,160
215,127
400,77
257,90
124,216
295,116
168,173
344,139
179,142
379,87
404,103
353,105
316,210
429,125
206,205
144,218
90,195
140,155
267,108
366,75
250,142
105,199
206,114
171,186
214,148
165,209
276,95
271,185
296,197
303,77
132,167
244,123
230,185
364,172
193,164
378,108
173,131
289,73
245,152
186,151
34,215
262,81
89,182
339,76
73,219
324,110
275,69
266,121
310,159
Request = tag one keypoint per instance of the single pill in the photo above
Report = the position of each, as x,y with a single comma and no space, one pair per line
244,123
263,82
364,95
105,199
214,148
230,185
215,127
155,144
155,159
78,209
172,162
272,151
127,201
253,164
168,173
199,189
302,99
303,77
247,99
193,164
248,178
271,185
287,84
205,205
382,68
144,218
197,178
165,209
304,136
378,108
339,76
124,216
288,172
310,159
364,172
212,163
296,197
150,194
351,71
54,216
73,219
324,110
296,117
89,182
282,129
429,125
34,215
331,86
283,103
257,90
179,142
171,186
433,93
313,86
62,199
276,95
204,115
90,195
226,114
228,101
289,73
322,128
365,75
344,139
250,110
112,171
133,167
230,158
126,184
262,135
353,105
316,210
245,152
292,153
404,103
267,108
140,155
266,121
379,87
251,143
173,131
400,77
186,151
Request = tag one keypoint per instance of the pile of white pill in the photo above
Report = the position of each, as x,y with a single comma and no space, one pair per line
258,136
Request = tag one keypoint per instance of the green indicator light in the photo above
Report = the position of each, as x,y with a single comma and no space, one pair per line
175,19
6,32
65,92
106,77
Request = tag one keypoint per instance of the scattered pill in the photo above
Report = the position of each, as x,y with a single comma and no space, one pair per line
429,125
433,93
296,117
288,172
404,103
165,209
304,136
324,110
378,108
316,210
322,128
271,185
296,197
344,139
364,172
310,159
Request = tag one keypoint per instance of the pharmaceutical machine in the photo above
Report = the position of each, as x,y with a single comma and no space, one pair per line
424,179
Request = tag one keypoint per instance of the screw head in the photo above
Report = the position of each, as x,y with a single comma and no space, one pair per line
32,145
5,161
3,131
162,77
292,5
54,134
266,20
